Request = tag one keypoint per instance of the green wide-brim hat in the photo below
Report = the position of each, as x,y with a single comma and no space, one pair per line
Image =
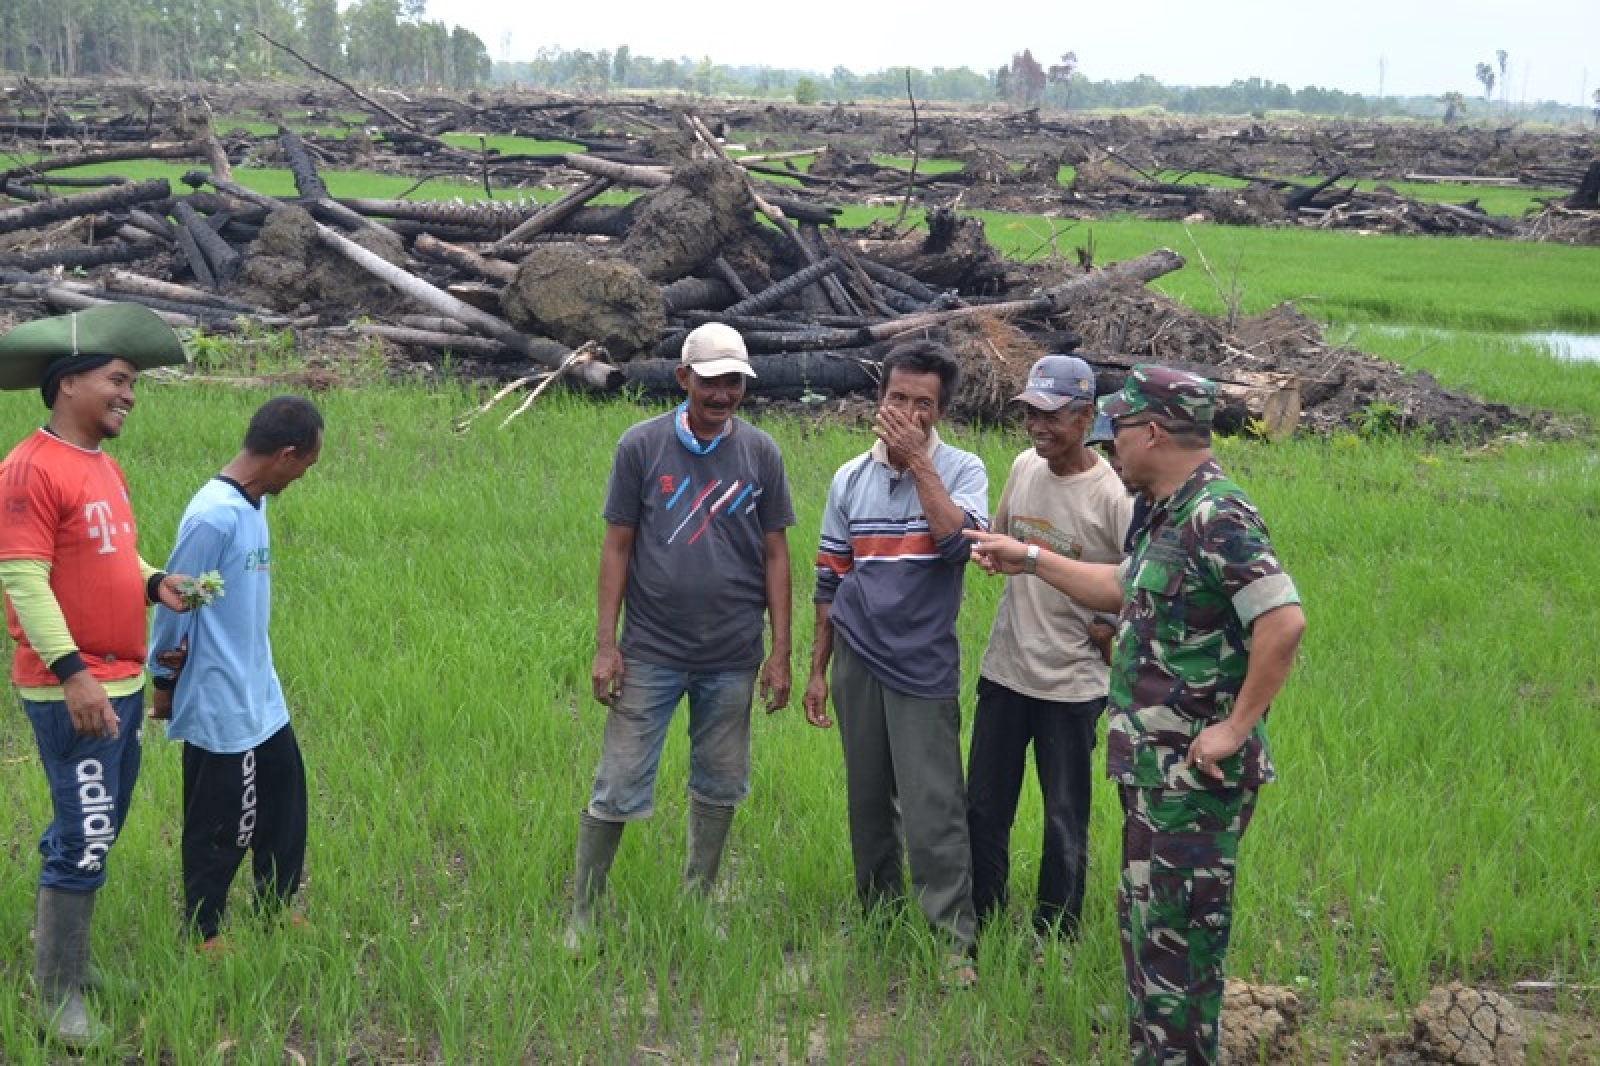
120,331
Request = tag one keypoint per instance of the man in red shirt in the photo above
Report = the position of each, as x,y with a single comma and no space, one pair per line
76,592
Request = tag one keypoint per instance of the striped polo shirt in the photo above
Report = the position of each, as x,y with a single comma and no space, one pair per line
895,591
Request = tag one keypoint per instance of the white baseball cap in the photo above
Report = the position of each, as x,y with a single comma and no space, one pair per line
715,349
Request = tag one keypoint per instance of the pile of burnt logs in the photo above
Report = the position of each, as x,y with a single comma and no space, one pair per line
1012,161
512,283
1384,210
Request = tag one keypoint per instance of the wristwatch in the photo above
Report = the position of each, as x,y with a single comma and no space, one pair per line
1030,561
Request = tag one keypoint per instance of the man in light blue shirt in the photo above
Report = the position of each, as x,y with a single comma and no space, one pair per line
244,785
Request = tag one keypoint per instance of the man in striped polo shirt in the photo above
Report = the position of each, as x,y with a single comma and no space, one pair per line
889,575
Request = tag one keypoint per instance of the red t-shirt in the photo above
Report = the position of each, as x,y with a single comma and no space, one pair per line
69,507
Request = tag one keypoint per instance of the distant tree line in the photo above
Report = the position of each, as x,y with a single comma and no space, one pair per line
379,41
393,42
1024,82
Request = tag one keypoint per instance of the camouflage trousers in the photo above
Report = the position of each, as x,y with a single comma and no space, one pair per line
1179,848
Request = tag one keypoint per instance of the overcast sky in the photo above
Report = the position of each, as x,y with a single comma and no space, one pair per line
1425,47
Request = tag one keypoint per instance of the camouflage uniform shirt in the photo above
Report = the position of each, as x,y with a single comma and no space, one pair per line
1201,572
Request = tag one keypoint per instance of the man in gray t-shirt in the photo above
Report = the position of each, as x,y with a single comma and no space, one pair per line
695,552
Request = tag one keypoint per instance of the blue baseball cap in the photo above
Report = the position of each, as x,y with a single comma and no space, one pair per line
1057,380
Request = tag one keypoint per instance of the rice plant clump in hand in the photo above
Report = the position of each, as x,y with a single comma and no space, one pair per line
200,591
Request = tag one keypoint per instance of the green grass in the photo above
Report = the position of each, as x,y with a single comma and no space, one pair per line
1510,201
1511,370
434,627
434,617
509,145
1336,277
1198,177
1462,283
924,165
804,164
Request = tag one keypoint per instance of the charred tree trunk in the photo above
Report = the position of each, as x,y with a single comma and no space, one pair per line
548,219
779,291
61,182
483,348
830,371
77,255
213,260
311,187
464,260
302,167
1053,301
179,150
1587,195
123,281
489,217
688,294
113,199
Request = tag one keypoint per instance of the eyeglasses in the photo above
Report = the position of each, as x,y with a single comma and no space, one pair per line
1119,424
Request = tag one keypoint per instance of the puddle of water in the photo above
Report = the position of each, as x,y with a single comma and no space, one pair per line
1575,346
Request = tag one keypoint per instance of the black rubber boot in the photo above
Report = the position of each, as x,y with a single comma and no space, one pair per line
61,963
708,837
597,847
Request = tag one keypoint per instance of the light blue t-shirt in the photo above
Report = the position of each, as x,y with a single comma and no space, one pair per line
228,699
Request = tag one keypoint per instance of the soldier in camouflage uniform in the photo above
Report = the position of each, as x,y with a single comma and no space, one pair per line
1207,634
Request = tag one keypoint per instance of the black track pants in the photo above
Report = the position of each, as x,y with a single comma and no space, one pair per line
250,801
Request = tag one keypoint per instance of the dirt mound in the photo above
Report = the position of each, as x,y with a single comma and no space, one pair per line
994,357
954,253
1253,205
1259,1022
983,166
569,293
288,268
1091,176
681,227
1460,1026
841,161
1468,1027
1340,388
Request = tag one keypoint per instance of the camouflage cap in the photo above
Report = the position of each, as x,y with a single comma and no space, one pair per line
1172,395
117,331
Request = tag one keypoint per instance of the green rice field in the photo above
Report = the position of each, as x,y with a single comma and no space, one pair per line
1438,745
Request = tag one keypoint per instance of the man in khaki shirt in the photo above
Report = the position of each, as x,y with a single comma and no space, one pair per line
1043,681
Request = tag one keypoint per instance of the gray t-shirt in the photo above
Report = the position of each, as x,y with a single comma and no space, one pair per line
696,590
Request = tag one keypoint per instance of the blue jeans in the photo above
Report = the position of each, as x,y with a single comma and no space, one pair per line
91,787
636,730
